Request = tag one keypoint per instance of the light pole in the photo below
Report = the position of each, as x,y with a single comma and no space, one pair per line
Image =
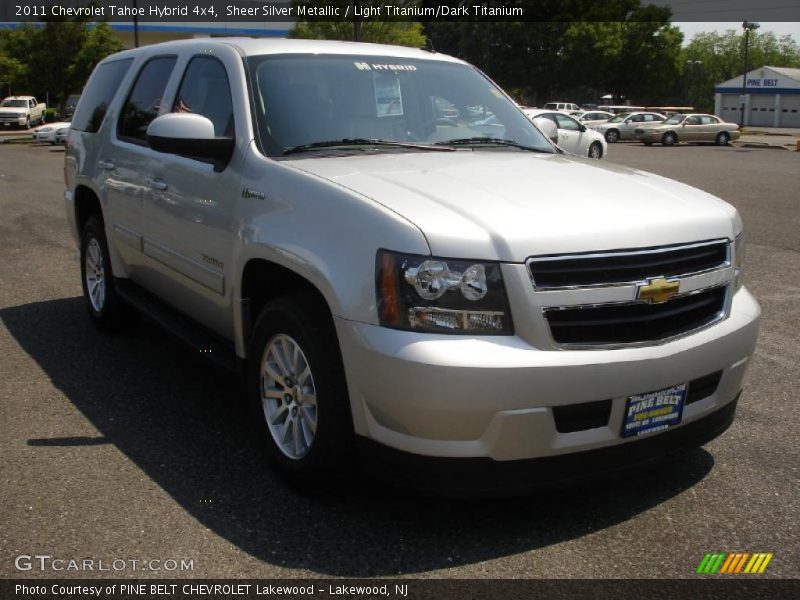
748,27
690,67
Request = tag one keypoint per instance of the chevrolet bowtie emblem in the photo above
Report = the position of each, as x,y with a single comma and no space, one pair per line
658,290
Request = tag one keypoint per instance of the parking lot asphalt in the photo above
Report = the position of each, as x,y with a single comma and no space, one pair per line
131,447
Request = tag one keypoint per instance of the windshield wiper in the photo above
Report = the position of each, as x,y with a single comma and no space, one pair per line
483,141
364,142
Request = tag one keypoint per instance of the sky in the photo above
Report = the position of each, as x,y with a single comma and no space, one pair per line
779,29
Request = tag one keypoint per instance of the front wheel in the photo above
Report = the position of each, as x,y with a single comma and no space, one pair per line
596,150
722,138
297,393
612,136
107,310
669,139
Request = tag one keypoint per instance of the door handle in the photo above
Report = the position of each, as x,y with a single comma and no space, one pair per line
156,183
106,165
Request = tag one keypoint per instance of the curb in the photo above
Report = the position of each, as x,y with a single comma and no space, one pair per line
765,133
761,145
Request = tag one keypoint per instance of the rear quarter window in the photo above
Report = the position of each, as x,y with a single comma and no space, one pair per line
98,94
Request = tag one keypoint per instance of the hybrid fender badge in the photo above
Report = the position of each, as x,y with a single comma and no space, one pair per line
657,290
248,193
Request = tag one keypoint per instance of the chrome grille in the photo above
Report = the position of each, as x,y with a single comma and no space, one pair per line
621,266
635,322
594,299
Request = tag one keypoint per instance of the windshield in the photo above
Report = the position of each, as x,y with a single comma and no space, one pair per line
15,103
619,117
302,100
675,120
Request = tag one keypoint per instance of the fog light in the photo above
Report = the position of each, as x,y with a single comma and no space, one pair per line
436,319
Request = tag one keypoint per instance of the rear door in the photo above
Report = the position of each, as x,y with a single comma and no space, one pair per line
129,158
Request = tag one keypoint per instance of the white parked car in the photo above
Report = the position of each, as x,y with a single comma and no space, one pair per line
593,118
623,125
403,290
47,133
62,133
567,107
571,135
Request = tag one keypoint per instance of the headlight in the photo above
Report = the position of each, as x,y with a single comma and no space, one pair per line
738,260
421,293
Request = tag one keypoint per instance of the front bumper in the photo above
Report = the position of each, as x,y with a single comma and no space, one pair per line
15,121
493,397
484,476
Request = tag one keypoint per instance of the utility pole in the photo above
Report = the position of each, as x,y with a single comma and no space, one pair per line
356,23
135,24
748,27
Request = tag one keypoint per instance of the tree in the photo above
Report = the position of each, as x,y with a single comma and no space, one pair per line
397,31
54,58
611,49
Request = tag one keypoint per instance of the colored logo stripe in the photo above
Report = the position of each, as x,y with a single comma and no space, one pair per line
732,563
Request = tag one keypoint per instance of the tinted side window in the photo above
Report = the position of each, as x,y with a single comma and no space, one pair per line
205,91
145,98
99,93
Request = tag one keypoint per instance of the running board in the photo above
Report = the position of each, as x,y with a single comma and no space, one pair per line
196,336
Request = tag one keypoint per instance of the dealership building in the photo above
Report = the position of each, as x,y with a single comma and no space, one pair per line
771,98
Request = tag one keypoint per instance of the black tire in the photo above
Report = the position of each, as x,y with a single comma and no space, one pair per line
43,120
110,314
669,139
722,138
612,136
596,150
27,124
329,457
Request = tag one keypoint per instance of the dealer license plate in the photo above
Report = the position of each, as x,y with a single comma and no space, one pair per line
653,411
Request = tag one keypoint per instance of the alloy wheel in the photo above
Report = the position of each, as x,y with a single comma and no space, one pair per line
95,275
288,396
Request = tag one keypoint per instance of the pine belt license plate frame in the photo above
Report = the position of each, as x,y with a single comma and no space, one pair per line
654,411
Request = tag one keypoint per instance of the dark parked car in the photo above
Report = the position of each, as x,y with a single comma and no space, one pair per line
68,107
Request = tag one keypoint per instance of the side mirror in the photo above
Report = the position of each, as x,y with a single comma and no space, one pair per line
547,127
583,127
189,135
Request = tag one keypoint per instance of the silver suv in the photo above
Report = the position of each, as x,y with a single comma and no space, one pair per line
408,272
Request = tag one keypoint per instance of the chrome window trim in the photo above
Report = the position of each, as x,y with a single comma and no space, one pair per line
719,317
661,249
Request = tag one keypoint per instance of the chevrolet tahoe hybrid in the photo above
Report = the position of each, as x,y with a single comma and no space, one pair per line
409,273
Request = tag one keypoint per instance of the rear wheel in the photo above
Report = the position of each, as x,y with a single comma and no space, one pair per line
596,150
723,138
669,139
612,136
297,393
107,310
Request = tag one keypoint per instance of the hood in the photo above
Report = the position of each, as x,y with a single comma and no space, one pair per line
13,110
499,205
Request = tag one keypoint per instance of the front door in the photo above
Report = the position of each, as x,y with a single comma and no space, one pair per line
189,215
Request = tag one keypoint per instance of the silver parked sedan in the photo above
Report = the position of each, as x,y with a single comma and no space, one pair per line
623,125
688,128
